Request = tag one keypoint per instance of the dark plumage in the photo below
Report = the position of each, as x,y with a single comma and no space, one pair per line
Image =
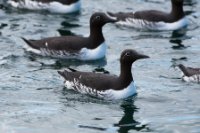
73,44
189,71
103,82
153,19
154,15
190,74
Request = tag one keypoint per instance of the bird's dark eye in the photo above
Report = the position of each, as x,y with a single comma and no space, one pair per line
127,54
97,17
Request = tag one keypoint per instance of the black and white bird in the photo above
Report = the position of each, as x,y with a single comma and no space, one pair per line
153,19
54,6
190,74
105,86
92,47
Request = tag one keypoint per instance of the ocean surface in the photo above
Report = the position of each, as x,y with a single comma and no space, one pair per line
32,94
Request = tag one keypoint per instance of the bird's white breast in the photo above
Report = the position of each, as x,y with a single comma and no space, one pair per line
143,24
130,90
93,54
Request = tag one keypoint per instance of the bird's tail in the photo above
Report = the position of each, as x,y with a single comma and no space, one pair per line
29,43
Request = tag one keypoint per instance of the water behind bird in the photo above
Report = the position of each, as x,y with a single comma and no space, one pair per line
34,100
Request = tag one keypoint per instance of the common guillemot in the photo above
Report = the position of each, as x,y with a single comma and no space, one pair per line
75,47
105,86
190,74
153,19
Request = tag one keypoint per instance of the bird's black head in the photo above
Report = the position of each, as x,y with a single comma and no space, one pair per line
181,66
100,19
129,56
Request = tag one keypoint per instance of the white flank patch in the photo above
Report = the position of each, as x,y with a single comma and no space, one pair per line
54,7
108,94
143,24
194,78
93,54
32,50
59,8
121,94
83,54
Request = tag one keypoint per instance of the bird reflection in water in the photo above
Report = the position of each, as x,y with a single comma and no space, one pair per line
177,38
128,122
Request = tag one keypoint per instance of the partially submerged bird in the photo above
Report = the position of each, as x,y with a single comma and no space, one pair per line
92,47
153,19
54,6
190,74
105,86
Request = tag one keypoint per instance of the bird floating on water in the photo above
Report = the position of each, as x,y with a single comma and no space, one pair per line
92,47
105,86
154,19
190,74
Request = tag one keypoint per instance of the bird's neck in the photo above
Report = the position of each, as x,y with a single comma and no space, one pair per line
184,70
126,75
177,11
96,36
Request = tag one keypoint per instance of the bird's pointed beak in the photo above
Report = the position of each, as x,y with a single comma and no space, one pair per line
142,56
